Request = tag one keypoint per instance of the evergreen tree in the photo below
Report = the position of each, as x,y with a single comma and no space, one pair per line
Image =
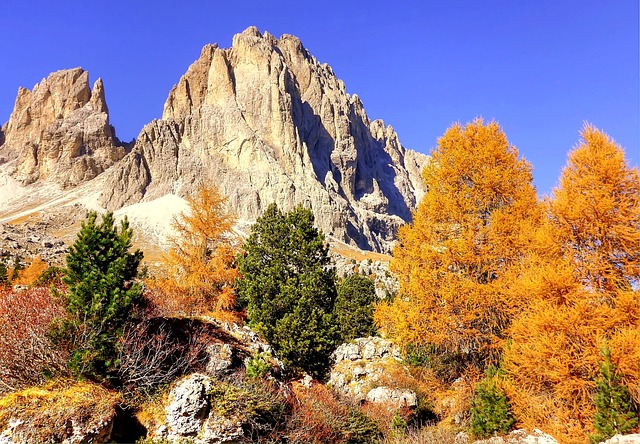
614,409
17,268
4,275
354,307
101,294
490,408
288,288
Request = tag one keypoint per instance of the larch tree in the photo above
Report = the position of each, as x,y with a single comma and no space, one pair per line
471,226
201,260
582,291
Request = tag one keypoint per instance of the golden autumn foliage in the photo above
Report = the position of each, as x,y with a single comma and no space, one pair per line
582,286
473,223
30,274
201,264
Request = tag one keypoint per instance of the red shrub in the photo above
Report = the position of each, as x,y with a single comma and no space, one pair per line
26,353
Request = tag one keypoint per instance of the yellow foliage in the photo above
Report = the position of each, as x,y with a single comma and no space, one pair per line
30,274
596,212
201,261
473,224
581,282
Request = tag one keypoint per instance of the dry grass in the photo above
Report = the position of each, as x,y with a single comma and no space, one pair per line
50,411
358,255
151,413
423,435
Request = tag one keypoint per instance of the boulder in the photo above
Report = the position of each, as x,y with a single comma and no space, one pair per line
358,365
188,405
394,398
624,439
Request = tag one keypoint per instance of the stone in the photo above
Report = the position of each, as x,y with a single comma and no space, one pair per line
220,359
268,103
521,436
188,405
395,398
358,366
60,131
624,439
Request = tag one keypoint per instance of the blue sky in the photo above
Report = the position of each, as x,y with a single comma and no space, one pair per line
540,68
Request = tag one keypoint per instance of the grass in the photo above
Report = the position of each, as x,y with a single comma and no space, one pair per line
50,410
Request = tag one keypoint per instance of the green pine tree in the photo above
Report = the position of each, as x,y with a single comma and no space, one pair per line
490,408
615,412
354,307
4,275
288,288
101,294
17,267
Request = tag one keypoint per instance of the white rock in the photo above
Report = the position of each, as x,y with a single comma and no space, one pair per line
397,398
624,439
188,405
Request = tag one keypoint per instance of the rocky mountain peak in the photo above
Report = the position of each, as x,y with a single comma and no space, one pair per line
60,131
266,122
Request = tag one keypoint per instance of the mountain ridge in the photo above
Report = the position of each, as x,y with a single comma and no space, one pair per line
265,122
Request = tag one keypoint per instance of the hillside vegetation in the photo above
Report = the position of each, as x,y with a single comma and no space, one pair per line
512,312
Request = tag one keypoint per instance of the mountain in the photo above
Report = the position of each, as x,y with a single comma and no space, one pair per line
60,131
263,120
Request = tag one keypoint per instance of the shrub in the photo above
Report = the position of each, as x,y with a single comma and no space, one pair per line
156,351
4,274
490,408
260,405
319,417
101,295
50,276
258,366
354,307
27,356
29,275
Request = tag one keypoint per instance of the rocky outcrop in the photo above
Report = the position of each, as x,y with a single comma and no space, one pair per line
60,412
359,365
203,410
520,436
395,398
60,131
266,122
624,439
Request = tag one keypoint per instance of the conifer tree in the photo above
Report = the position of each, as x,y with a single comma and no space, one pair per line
582,288
288,287
615,413
202,259
354,307
490,408
471,226
4,275
100,294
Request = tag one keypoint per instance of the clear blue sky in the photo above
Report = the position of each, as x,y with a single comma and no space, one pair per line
540,68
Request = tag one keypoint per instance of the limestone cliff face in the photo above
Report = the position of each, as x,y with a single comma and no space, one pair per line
60,131
265,122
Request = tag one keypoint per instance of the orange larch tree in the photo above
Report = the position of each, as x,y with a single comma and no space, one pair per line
582,284
201,262
472,225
